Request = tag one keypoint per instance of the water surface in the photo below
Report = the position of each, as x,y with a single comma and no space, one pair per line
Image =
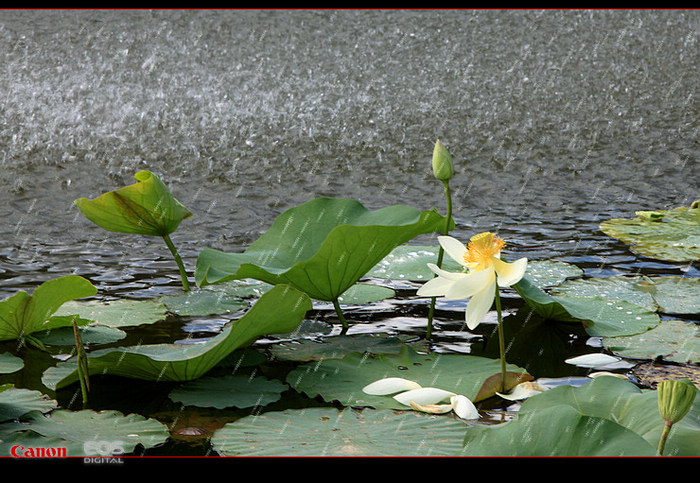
556,120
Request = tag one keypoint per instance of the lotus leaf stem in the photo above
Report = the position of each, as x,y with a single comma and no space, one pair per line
336,305
178,260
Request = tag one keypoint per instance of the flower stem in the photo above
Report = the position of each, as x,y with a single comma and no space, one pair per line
664,437
501,342
178,260
441,253
336,305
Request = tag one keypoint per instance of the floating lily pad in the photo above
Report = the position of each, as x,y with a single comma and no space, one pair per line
672,340
89,335
409,262
671,235
560,431
23,314
279,310
203,303
613,288
87,426
238,390
343,379
635,409
676,295
15,402
667,294
550,273
599,316
364,293
329,432
10,363
336,347
116,313
321,247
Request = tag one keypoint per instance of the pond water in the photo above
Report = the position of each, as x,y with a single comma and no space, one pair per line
556,120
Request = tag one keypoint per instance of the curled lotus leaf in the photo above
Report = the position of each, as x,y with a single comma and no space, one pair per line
144,208
321,247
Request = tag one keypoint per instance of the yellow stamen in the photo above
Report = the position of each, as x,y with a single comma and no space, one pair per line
481,249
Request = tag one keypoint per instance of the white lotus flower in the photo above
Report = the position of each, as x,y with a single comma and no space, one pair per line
482,258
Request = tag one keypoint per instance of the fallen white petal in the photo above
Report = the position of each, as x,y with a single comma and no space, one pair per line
390,385
463,407
605,373
523,391
592,360
431,408
423,396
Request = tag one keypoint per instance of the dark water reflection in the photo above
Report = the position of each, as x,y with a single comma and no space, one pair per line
557,120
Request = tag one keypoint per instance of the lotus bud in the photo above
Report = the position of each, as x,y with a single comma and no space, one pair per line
443,169
675,399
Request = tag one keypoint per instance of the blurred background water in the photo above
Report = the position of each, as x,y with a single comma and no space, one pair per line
556,120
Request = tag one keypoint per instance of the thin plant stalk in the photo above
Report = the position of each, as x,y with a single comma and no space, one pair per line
501,339
664,437
339,312
178,260
83,375
441,253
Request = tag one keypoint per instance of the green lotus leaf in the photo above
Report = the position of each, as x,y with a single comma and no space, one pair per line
559,431
675,295
15,402
145,208
601,317
116,313
22,314
671,235
667,294
89,335
121,431
280,310
232,390
672,340
305,350
321,247
10,363
636,409
343,379
330,432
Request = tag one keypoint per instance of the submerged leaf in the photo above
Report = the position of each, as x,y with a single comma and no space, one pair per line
144,208
321,247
